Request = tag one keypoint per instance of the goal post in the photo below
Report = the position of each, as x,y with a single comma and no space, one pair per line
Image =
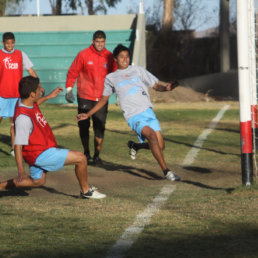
244,92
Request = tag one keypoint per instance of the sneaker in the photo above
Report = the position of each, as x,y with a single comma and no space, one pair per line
88,156
132,150
97,160
171,176
92,187
12,153
92,194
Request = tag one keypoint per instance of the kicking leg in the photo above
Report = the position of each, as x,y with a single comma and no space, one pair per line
79,160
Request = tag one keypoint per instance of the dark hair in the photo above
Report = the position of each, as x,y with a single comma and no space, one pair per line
27,85
8,35
99,34
119,48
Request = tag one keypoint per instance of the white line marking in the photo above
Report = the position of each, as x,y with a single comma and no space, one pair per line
190,157
142,219
131,233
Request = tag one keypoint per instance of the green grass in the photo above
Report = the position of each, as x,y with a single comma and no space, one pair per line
209,215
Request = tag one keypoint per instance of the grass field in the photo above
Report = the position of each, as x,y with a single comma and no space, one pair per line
208,215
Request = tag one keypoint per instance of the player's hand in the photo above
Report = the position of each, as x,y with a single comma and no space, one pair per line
172,85
21,177
69,97
81,116
55,92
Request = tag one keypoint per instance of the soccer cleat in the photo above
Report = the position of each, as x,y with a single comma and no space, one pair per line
12,153
92,194
132,149
171,176
97,160
92,187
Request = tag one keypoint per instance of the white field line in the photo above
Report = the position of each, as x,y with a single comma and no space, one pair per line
190,157
132,232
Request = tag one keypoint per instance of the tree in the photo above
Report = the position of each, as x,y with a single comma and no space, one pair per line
224,36
93,7
56,6
189,14
167,19
9,4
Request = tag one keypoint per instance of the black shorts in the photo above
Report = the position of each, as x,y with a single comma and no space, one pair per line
98,119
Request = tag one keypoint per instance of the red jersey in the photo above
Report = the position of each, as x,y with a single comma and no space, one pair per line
11,69
41,137
90,68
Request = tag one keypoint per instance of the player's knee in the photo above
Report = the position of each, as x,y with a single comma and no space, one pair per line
162,146
39,182
81,157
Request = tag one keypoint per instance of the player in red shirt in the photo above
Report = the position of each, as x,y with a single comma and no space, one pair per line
90,68
12,62
35,142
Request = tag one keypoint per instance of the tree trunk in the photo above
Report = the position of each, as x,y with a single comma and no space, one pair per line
167,19
224,36
2,7
89,4
56,7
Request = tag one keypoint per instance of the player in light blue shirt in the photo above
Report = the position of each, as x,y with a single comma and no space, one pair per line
131,83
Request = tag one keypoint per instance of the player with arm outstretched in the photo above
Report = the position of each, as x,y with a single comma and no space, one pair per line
36,144
131,86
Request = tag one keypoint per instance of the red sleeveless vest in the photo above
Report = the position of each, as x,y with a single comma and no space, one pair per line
41,137
11,70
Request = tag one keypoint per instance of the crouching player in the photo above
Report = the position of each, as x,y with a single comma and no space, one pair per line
36,144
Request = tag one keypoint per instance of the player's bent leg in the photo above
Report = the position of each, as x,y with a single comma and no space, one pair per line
26,182
160,140
79,160
154,146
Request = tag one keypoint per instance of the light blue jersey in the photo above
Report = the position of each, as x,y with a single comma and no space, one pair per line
131,86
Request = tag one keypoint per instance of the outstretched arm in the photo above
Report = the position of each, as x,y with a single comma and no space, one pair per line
101,103
51,95
165,86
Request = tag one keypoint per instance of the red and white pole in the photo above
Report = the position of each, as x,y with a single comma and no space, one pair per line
252,71
244,93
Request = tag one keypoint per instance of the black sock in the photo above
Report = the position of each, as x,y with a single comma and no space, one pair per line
165,171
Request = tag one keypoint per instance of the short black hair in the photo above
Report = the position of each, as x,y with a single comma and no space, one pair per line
99,34
27,85
8,35
119,48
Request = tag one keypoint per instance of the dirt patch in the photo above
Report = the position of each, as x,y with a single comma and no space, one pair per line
179,94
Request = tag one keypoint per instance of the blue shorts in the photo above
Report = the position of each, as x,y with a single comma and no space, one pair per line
51,159
7,107
146,118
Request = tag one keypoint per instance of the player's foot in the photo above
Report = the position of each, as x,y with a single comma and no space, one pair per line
92,187
88,156
171,176
97,160
92,194
12,153
132,149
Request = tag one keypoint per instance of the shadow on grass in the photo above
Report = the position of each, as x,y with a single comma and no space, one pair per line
61,126
218,240
198,169
5,152
143,173
5,139
207,149
54,191
24,192
228,190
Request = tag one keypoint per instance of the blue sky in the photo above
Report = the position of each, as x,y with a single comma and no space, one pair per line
211,7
